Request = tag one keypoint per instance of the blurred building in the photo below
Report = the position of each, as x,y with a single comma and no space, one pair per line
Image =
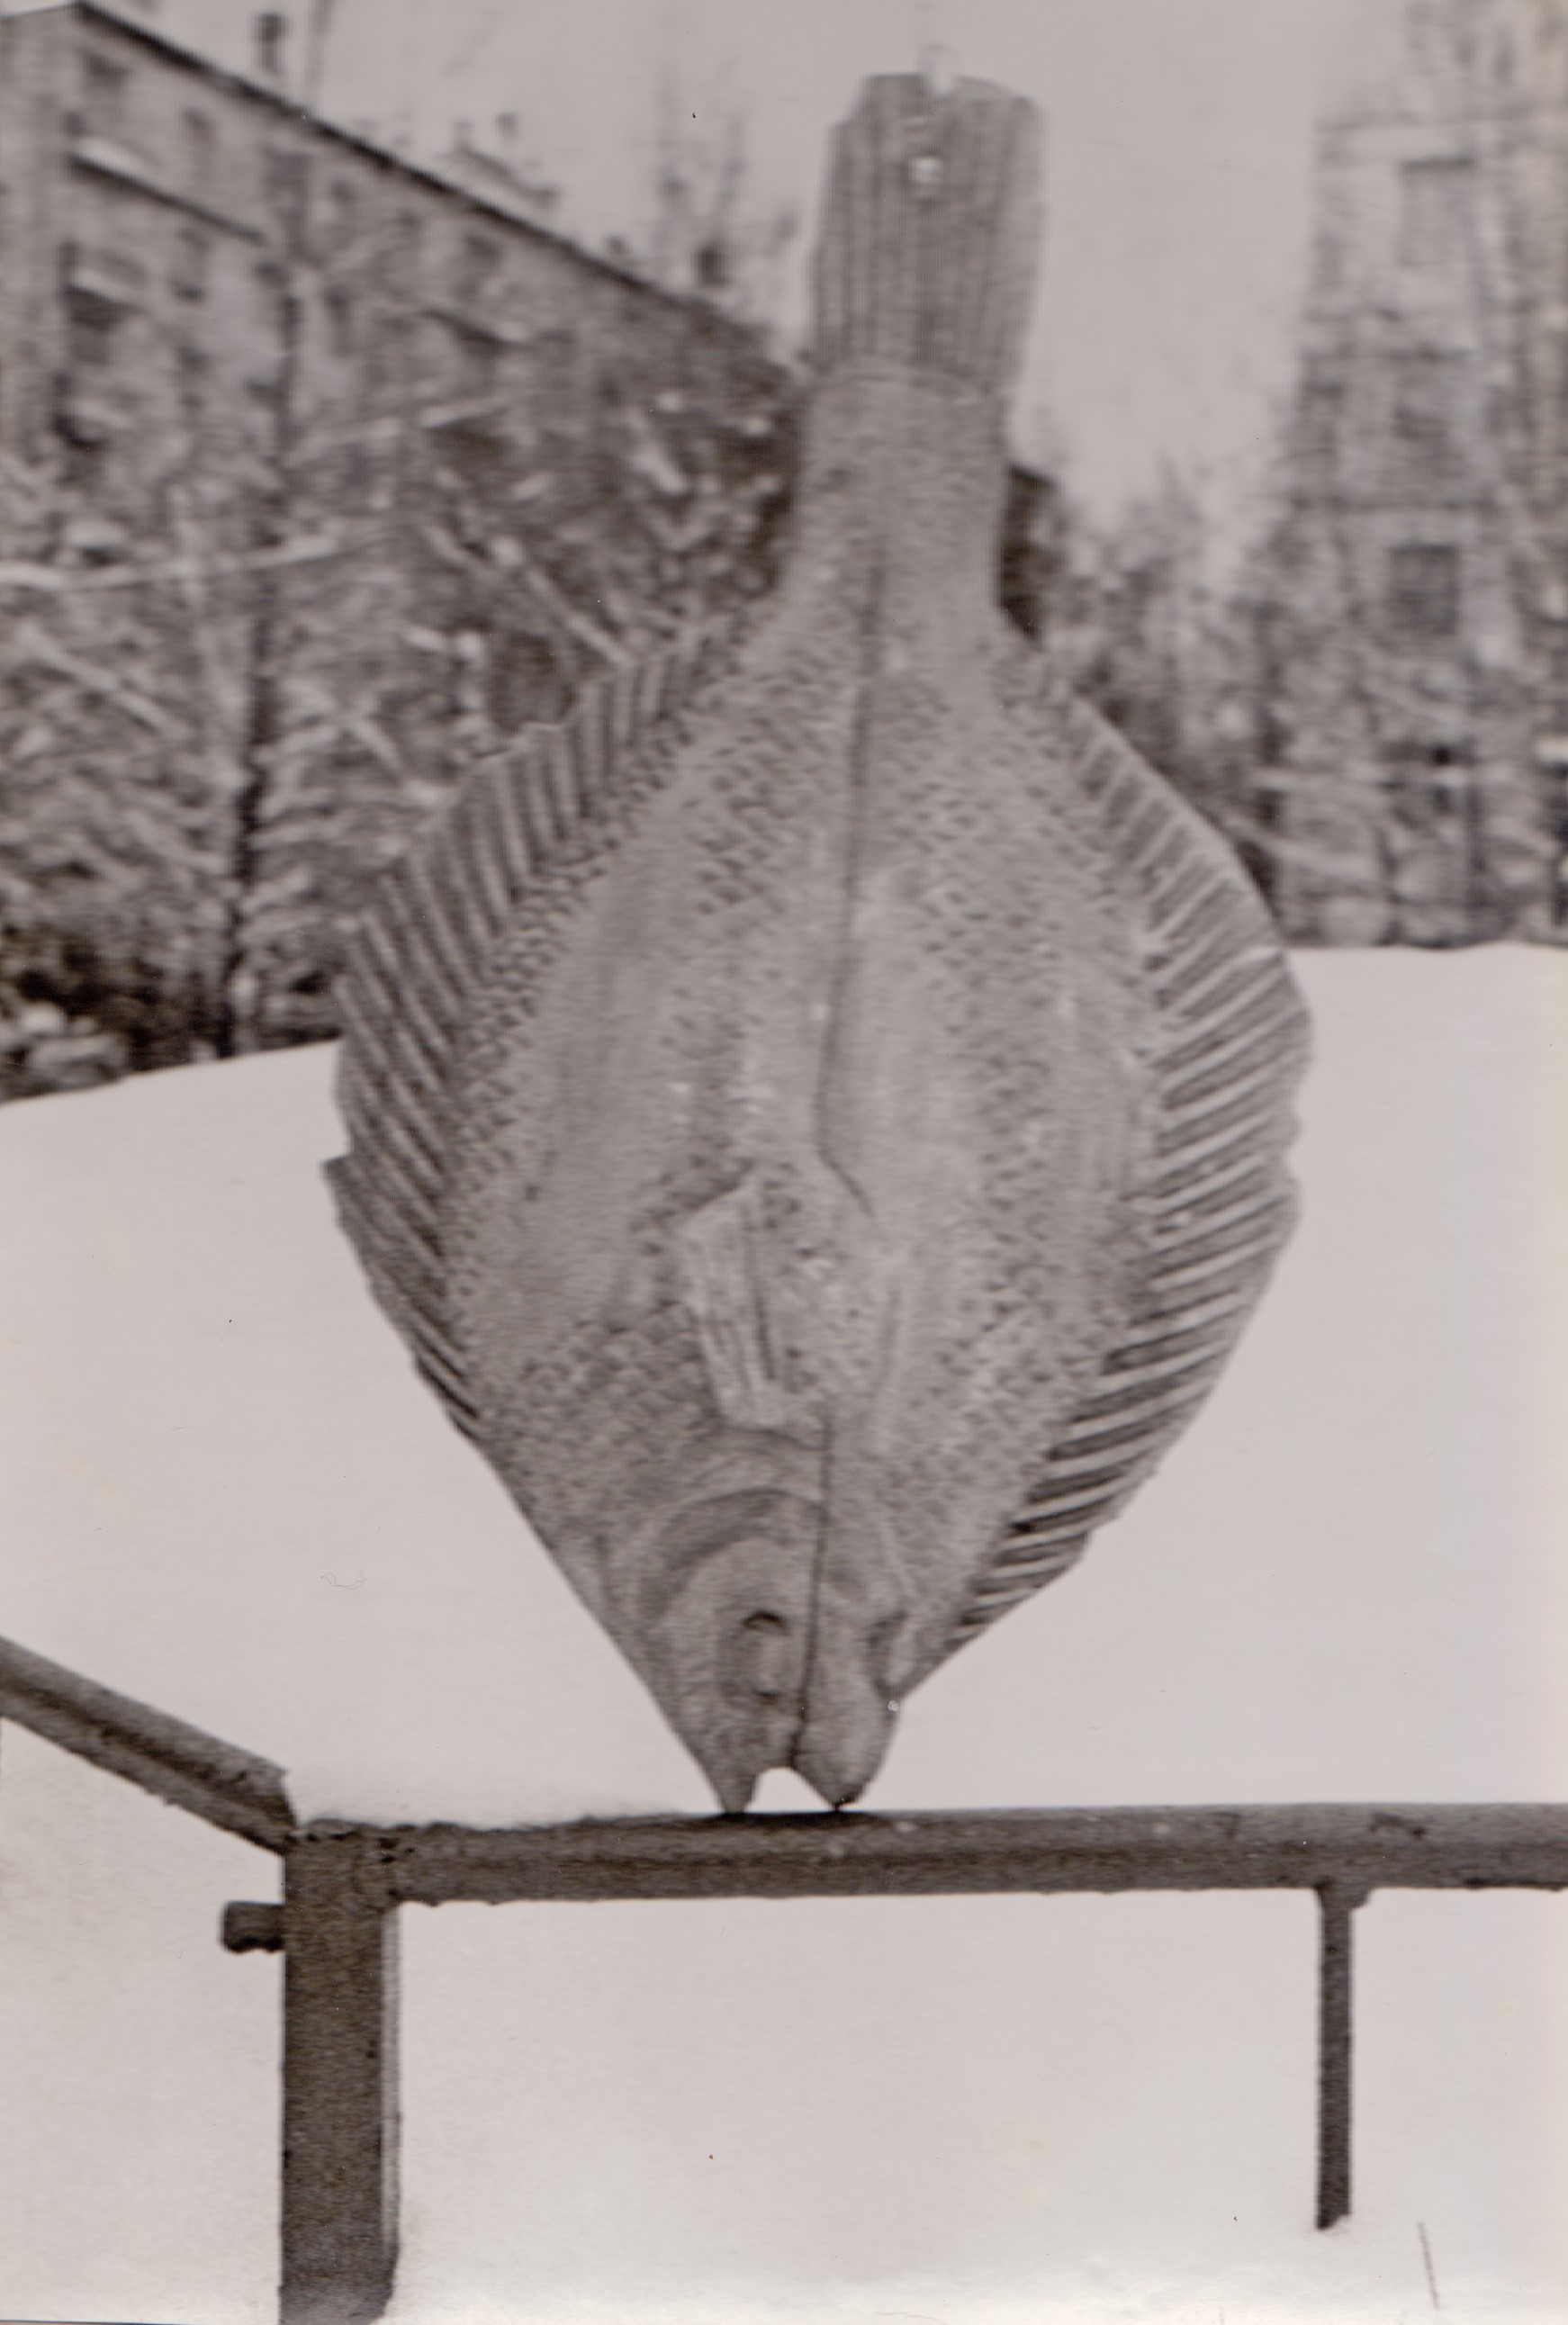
499,170
1413,613
174,238
321,474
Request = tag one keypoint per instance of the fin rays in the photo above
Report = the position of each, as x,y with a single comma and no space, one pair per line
425,942
1218,1199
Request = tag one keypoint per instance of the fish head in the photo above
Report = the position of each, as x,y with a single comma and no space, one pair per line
757,1666
724,1622
864,1640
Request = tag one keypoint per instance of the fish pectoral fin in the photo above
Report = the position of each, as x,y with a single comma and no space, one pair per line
784,1277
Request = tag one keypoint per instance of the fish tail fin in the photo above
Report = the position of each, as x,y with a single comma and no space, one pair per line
930,231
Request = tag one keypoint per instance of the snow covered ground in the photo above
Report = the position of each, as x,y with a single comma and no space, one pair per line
224,1492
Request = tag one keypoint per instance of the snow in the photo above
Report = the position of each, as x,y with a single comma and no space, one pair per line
245,1508
225,1492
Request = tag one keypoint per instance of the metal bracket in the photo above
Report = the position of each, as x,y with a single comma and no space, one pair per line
252,1929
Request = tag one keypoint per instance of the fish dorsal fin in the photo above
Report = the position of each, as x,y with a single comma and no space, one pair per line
550,800
1229,1042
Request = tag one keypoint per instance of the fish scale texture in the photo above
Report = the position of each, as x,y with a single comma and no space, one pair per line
819,1118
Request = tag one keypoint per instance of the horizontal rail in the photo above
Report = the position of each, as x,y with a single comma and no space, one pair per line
219,1783
1351,1847
337,1927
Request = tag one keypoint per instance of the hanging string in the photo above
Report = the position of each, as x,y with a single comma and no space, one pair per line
935,62
938,70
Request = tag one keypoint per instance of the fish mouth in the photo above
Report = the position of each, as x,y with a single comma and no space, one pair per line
754,1666
758,1661
727,1615
832,1724
852,1707
839,1758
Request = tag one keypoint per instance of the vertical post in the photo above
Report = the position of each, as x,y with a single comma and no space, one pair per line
1336,1903
340,2122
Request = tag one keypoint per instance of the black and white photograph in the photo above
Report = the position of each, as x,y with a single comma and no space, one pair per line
783,1161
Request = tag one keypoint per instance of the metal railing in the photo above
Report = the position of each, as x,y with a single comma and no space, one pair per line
337,1927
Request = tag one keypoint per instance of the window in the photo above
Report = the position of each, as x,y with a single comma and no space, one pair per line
479,363
473,456
84,463
270,302
339,311
400,253
477,268
342,216
190,257
93,324
199,151
270,31
285,177
1425,413
109,274
1435,209
105,87
555,365
1321,413
1428,780
1423,592
393,352
195,383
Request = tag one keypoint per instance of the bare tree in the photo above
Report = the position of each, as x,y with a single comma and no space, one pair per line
709,232
436,510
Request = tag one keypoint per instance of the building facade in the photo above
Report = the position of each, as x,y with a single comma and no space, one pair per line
1413,619
151,205
321,474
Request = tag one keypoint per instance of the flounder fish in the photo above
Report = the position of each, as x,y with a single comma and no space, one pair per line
818,1117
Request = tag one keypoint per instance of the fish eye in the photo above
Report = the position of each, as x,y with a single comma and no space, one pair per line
880,1643
766,1653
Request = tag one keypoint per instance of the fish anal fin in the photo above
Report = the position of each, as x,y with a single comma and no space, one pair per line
1224,1045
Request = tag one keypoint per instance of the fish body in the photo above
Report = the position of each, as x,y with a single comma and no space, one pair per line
820,1119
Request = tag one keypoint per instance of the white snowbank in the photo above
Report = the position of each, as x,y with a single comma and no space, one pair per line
225,1492
229,1495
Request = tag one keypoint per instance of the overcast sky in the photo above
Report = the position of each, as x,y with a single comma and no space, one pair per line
1179,141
